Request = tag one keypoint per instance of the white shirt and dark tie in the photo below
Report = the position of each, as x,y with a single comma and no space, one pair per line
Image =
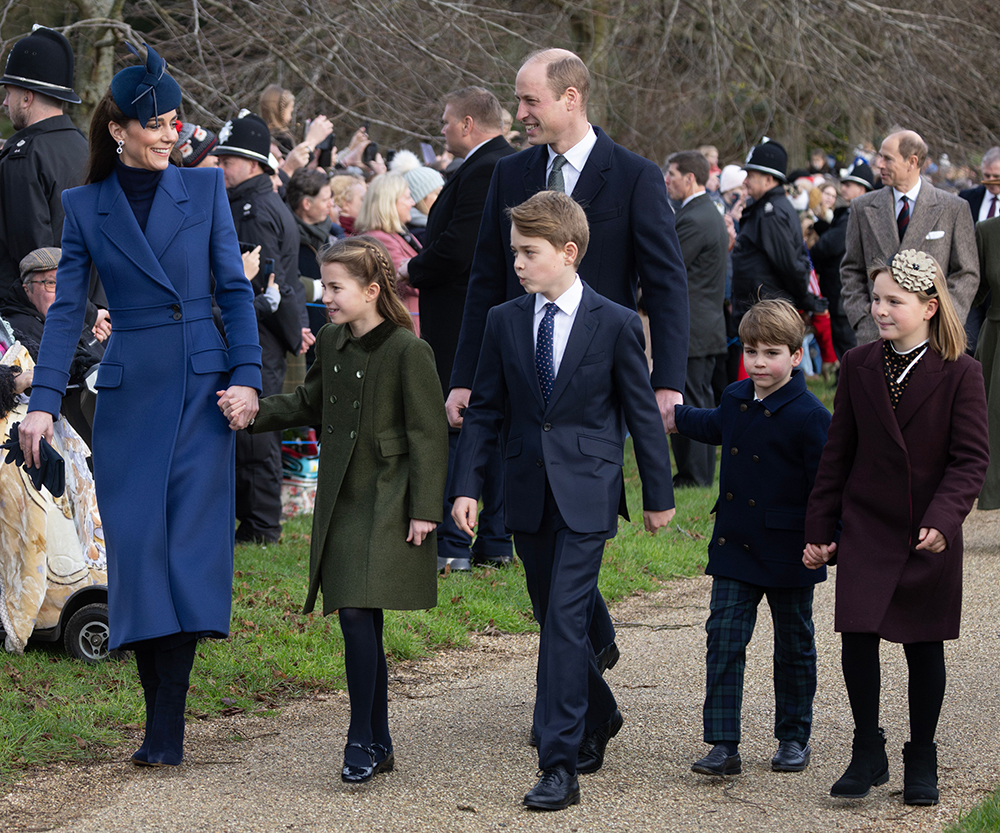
990,207
572,163
565,309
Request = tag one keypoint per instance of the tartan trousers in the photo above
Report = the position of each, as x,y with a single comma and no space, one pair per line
730,626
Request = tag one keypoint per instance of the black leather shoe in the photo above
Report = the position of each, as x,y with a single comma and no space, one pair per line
590,758
351,774
719,762
555,790
608,658
385,760
791,756
869,767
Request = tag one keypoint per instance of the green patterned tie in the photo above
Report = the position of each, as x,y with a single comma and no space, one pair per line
556,181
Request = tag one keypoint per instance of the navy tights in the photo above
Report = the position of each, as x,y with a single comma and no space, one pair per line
367,681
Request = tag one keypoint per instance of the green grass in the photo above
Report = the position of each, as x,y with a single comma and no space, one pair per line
985,818
53,708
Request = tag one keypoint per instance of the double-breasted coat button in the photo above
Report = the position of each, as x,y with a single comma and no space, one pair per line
752,503
333,400
767,412
721,541
547,426
354,435
539,463
756,459
175,307
734,451
360,373
356,404
336,368
743,407
746,547
729,495
177,316
329,429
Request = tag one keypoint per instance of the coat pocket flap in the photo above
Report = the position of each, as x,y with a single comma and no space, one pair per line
513,448
591,358
193,220
776,519
215,360
600,216
605,450
109,375
393,446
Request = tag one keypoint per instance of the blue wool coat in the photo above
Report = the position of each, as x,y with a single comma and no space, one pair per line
770,453
163,452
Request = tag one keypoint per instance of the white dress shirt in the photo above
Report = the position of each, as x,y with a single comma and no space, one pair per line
568,303
576,158
911,195
984,209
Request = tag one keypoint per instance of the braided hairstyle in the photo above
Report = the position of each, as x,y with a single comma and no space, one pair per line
367,261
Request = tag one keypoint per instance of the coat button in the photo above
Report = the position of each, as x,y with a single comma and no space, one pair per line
756,459
752,503
743,407
547,426
539,463
356,404
767,412
333,400
729,495
177,316
721,541
336,368
360,373
329,429
734,451
175,307
354,435
746,547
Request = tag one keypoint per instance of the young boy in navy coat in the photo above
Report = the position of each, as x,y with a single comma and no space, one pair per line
565,365
772,431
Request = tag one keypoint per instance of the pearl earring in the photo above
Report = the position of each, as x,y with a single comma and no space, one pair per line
121,144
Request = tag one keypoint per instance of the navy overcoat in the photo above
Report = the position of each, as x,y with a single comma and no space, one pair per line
163,452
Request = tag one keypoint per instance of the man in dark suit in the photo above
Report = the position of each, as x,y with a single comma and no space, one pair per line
631,237
565,369
472,130
705,245
906,214
984,202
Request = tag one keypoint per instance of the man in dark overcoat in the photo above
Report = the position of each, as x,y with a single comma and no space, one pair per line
472,130
45,156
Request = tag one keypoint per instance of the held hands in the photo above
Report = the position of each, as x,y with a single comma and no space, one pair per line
33,427
238,404
308,339
458,401
815,556
931,540
465,514
102,327
657,520
666,399
419,530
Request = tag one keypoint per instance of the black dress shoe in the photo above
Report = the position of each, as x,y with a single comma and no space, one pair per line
719,762
608,658
590,758
385,760
791,756
352,774
555,790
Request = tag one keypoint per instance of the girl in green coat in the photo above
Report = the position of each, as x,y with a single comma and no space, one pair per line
383,461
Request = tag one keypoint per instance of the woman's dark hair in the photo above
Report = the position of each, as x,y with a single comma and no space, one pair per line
103,151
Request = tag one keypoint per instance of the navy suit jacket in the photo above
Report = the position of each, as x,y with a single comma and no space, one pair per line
770,453
974,197
576,442
632,237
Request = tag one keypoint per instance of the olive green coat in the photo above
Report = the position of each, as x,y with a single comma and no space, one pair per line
383,460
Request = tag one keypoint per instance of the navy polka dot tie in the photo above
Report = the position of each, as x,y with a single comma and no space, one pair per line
544,364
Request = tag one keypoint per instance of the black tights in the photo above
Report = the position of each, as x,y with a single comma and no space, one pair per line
367,677
925,663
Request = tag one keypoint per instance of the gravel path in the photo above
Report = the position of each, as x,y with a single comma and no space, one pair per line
460,722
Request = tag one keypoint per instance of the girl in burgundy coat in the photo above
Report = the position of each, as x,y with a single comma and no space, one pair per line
905,457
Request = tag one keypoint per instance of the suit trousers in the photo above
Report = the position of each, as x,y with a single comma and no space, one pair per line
696,461
492,538
561,568
258,459
730,626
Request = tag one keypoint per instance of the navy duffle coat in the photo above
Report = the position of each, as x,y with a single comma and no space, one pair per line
164,457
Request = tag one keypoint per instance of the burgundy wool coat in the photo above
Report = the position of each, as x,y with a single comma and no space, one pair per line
886,474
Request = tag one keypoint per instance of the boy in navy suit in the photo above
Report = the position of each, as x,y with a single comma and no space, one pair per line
772,431
568,365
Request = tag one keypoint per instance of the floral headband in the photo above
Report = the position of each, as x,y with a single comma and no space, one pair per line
914,271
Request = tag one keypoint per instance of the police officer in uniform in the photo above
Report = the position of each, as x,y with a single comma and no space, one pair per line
45,156
262,219
770,259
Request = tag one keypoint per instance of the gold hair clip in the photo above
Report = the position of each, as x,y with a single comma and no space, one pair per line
914,270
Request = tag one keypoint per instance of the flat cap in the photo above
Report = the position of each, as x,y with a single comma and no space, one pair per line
40,260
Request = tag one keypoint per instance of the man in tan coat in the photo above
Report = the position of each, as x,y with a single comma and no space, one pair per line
907,213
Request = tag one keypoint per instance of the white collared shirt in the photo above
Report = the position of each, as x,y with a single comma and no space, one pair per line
688,199
984,209
910,195
576,158
568,303
468,156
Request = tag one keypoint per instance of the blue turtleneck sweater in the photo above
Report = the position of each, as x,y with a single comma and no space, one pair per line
139,185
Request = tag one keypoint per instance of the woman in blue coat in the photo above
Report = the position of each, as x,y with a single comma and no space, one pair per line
163,242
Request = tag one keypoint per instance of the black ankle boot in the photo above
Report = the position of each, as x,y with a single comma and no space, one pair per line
920,774
869,767
150,683
166,736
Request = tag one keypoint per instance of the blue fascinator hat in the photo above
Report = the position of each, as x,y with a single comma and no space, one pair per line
142,92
